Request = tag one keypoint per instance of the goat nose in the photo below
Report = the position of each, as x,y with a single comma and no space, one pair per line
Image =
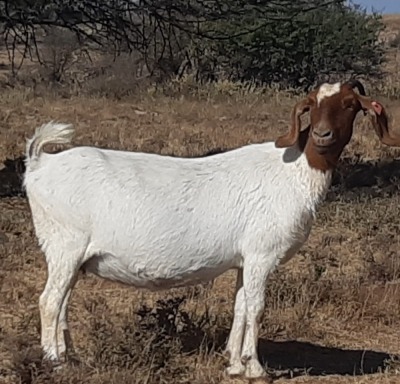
325,134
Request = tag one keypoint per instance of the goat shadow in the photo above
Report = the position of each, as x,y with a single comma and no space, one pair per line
288,359
356,174
11,178
294,358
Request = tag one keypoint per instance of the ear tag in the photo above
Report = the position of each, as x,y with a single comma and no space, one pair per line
377,107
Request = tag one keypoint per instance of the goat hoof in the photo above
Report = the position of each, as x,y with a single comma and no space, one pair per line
73,360
254,370
59,367
235,370
53,365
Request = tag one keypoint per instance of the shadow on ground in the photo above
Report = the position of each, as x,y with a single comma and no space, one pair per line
11,176
365,179
283,359
293,358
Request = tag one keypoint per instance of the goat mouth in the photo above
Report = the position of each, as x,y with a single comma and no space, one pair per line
323,147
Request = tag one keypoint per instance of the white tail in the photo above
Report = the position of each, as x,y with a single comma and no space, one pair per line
50,133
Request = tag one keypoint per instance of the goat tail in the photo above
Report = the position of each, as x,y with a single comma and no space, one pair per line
50,133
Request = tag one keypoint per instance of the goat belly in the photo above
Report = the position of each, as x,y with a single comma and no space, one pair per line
157,273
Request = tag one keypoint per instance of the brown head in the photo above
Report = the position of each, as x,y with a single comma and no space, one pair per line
333,109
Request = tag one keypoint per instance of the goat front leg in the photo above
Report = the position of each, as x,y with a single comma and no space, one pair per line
254,280
235,341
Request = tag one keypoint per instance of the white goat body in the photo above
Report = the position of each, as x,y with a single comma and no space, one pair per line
158,222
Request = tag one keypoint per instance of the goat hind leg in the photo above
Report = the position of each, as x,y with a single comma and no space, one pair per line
62,272
65,344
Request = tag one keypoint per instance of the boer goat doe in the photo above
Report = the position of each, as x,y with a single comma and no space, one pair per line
159,222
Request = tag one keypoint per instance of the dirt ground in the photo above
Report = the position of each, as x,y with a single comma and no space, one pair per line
332,313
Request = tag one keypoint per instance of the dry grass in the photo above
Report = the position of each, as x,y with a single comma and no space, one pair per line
332,313
332,310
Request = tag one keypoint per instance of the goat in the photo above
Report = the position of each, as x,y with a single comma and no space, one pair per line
158,222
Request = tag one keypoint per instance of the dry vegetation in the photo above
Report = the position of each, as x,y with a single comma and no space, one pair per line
332,313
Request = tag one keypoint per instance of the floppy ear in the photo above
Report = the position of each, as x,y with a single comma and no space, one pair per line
290,139
379,120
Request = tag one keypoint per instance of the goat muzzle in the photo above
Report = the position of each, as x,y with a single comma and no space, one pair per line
322,139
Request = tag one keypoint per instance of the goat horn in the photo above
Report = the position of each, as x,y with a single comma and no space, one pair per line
353,83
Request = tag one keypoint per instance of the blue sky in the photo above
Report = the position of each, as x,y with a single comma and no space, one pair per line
384,6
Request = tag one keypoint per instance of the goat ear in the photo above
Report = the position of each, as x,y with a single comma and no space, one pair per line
290,139
379,120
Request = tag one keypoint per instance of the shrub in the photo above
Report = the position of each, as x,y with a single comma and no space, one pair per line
58,54
291,44
301,48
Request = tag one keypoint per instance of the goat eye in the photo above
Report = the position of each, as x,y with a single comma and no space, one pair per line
348,102
349,106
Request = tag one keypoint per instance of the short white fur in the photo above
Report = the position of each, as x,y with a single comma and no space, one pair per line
158,222
327,90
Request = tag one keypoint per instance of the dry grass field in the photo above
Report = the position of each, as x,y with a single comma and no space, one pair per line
332,313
